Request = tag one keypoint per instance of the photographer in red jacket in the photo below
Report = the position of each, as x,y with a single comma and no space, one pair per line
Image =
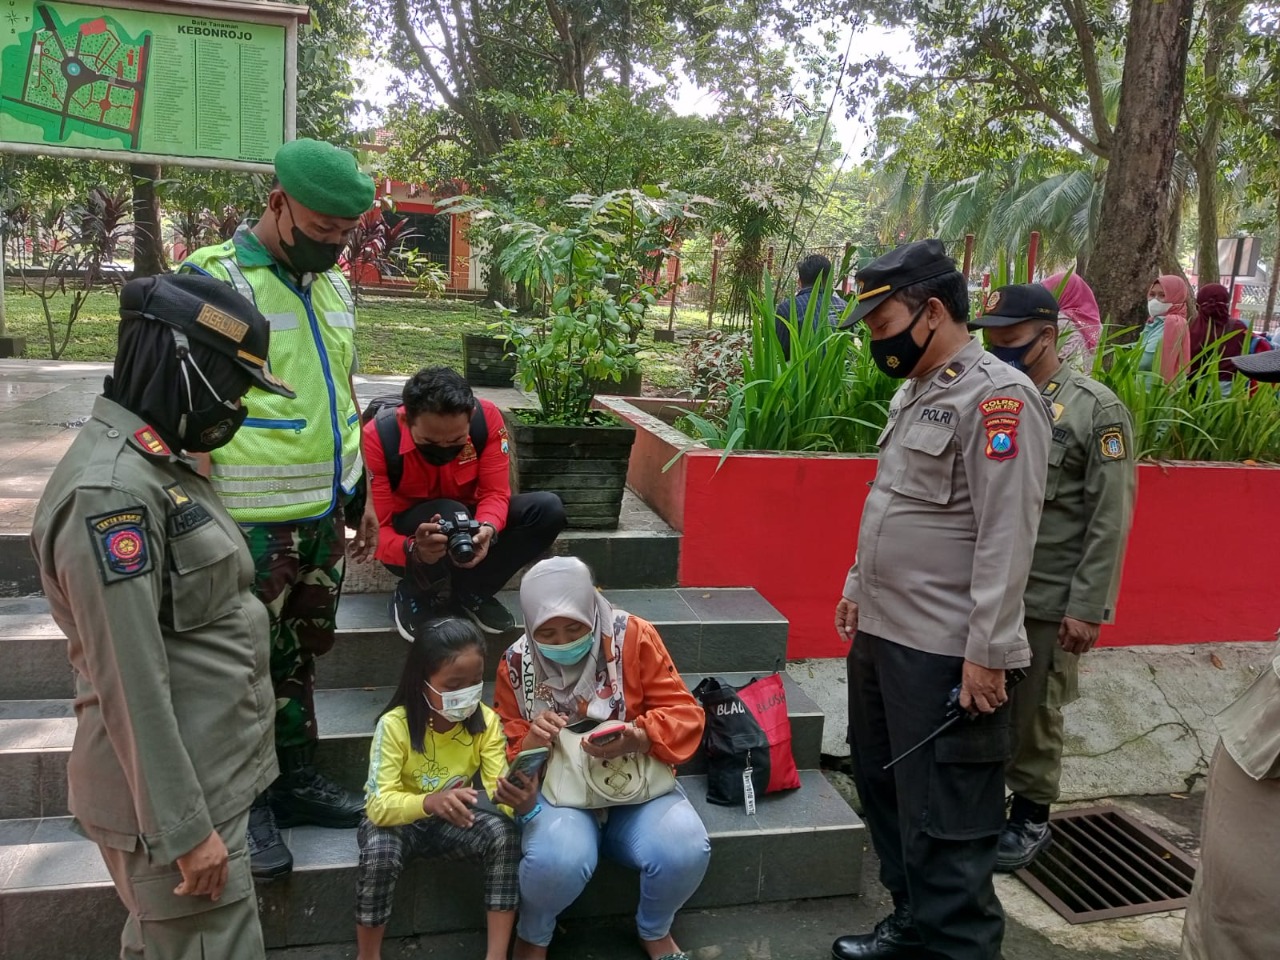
448,524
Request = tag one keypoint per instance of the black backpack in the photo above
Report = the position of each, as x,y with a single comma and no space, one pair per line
383,409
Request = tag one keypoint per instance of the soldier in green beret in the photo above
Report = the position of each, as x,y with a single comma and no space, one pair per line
287,475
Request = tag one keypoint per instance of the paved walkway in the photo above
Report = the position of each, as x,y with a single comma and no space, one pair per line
804,929
43,403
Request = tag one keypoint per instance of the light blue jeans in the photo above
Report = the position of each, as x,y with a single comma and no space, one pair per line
664,839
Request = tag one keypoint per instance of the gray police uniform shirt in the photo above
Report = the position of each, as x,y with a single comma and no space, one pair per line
150,579
1250,727
949,527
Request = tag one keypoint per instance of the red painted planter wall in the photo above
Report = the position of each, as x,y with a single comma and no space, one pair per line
1198,568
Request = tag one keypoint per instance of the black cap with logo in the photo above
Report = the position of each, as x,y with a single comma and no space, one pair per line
1015,303
901,267
205,309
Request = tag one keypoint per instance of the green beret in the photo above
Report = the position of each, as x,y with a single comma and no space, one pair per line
324,179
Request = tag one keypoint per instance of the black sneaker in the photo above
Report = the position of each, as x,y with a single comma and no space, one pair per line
269,858
308,797
409,610
487,613
1021,841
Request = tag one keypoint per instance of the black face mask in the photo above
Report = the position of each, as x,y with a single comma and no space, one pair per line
438,456
211,427
1015,357
215,421
307,254
899,354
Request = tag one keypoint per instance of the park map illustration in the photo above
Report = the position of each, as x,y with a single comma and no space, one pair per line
85,75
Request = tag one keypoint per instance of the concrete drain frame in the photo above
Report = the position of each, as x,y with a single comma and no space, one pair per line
1104,864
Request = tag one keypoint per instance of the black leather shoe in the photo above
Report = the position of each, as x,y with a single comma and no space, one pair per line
269,858
303,795
1020,843
894,938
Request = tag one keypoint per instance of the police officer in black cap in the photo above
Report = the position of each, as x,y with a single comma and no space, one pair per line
149,578
933,604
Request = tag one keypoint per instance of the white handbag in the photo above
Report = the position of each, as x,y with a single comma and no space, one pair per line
575,779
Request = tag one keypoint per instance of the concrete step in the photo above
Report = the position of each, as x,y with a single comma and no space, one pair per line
56,899
36,738
642,552
706,630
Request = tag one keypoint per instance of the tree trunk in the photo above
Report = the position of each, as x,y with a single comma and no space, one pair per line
1274,278
148,239
1222,19
1136,200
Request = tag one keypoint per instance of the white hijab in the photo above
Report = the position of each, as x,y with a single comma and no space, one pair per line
562,587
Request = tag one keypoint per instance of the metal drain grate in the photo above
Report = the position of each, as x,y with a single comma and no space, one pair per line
1104,864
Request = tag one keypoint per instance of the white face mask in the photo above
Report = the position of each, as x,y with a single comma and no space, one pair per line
1157,308
457,705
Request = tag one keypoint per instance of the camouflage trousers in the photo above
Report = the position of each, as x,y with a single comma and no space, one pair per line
298,570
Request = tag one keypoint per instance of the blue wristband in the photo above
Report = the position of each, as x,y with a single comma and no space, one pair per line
523,818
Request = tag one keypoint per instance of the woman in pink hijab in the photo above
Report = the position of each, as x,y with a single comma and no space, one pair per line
1079,319
1165,342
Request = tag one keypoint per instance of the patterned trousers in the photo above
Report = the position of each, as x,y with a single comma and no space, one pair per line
298,570
492,839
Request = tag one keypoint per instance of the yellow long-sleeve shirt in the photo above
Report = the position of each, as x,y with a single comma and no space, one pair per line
399,776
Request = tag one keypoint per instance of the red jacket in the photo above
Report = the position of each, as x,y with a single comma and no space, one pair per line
483,483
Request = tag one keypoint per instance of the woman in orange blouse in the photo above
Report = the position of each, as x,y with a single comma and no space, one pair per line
581,658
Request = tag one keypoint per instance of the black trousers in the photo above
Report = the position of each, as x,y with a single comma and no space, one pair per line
534,520
935,818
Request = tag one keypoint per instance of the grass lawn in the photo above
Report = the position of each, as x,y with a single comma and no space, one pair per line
393,336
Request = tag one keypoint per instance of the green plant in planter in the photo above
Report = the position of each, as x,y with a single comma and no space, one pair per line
592,283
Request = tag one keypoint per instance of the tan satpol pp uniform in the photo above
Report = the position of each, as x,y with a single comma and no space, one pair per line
150,580
1075,571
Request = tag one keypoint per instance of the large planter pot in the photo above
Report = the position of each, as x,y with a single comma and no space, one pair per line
585,466
631,385
485,361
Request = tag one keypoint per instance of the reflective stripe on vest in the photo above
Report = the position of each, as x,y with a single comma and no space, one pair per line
293,459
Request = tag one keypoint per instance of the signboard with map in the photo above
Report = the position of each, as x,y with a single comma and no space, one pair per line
141,82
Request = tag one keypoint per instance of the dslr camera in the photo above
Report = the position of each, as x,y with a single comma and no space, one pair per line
460,531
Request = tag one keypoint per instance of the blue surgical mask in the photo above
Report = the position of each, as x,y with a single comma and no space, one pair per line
568,653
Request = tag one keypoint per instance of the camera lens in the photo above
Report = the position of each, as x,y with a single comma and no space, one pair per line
461,547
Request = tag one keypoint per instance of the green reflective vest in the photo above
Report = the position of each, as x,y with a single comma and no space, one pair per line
293,459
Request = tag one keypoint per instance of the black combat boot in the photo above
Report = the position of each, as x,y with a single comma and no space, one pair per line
894,938
303,795
269,858
1024,836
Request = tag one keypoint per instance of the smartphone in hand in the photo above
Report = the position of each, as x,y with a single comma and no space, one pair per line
529,763
606,735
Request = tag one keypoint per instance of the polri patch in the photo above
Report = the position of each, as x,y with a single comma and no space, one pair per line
1007,405
151,442
1111,443
120,541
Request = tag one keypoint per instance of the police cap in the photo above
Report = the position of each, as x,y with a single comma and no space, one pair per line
901,267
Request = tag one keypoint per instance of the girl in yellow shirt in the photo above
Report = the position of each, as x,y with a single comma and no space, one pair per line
430,742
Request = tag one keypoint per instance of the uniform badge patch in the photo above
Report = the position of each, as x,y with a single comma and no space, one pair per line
222,323
1002,438
1111,443
953,370
468,453
175,493
506,441
151,442
120,540
992,301
996,405
1058,410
